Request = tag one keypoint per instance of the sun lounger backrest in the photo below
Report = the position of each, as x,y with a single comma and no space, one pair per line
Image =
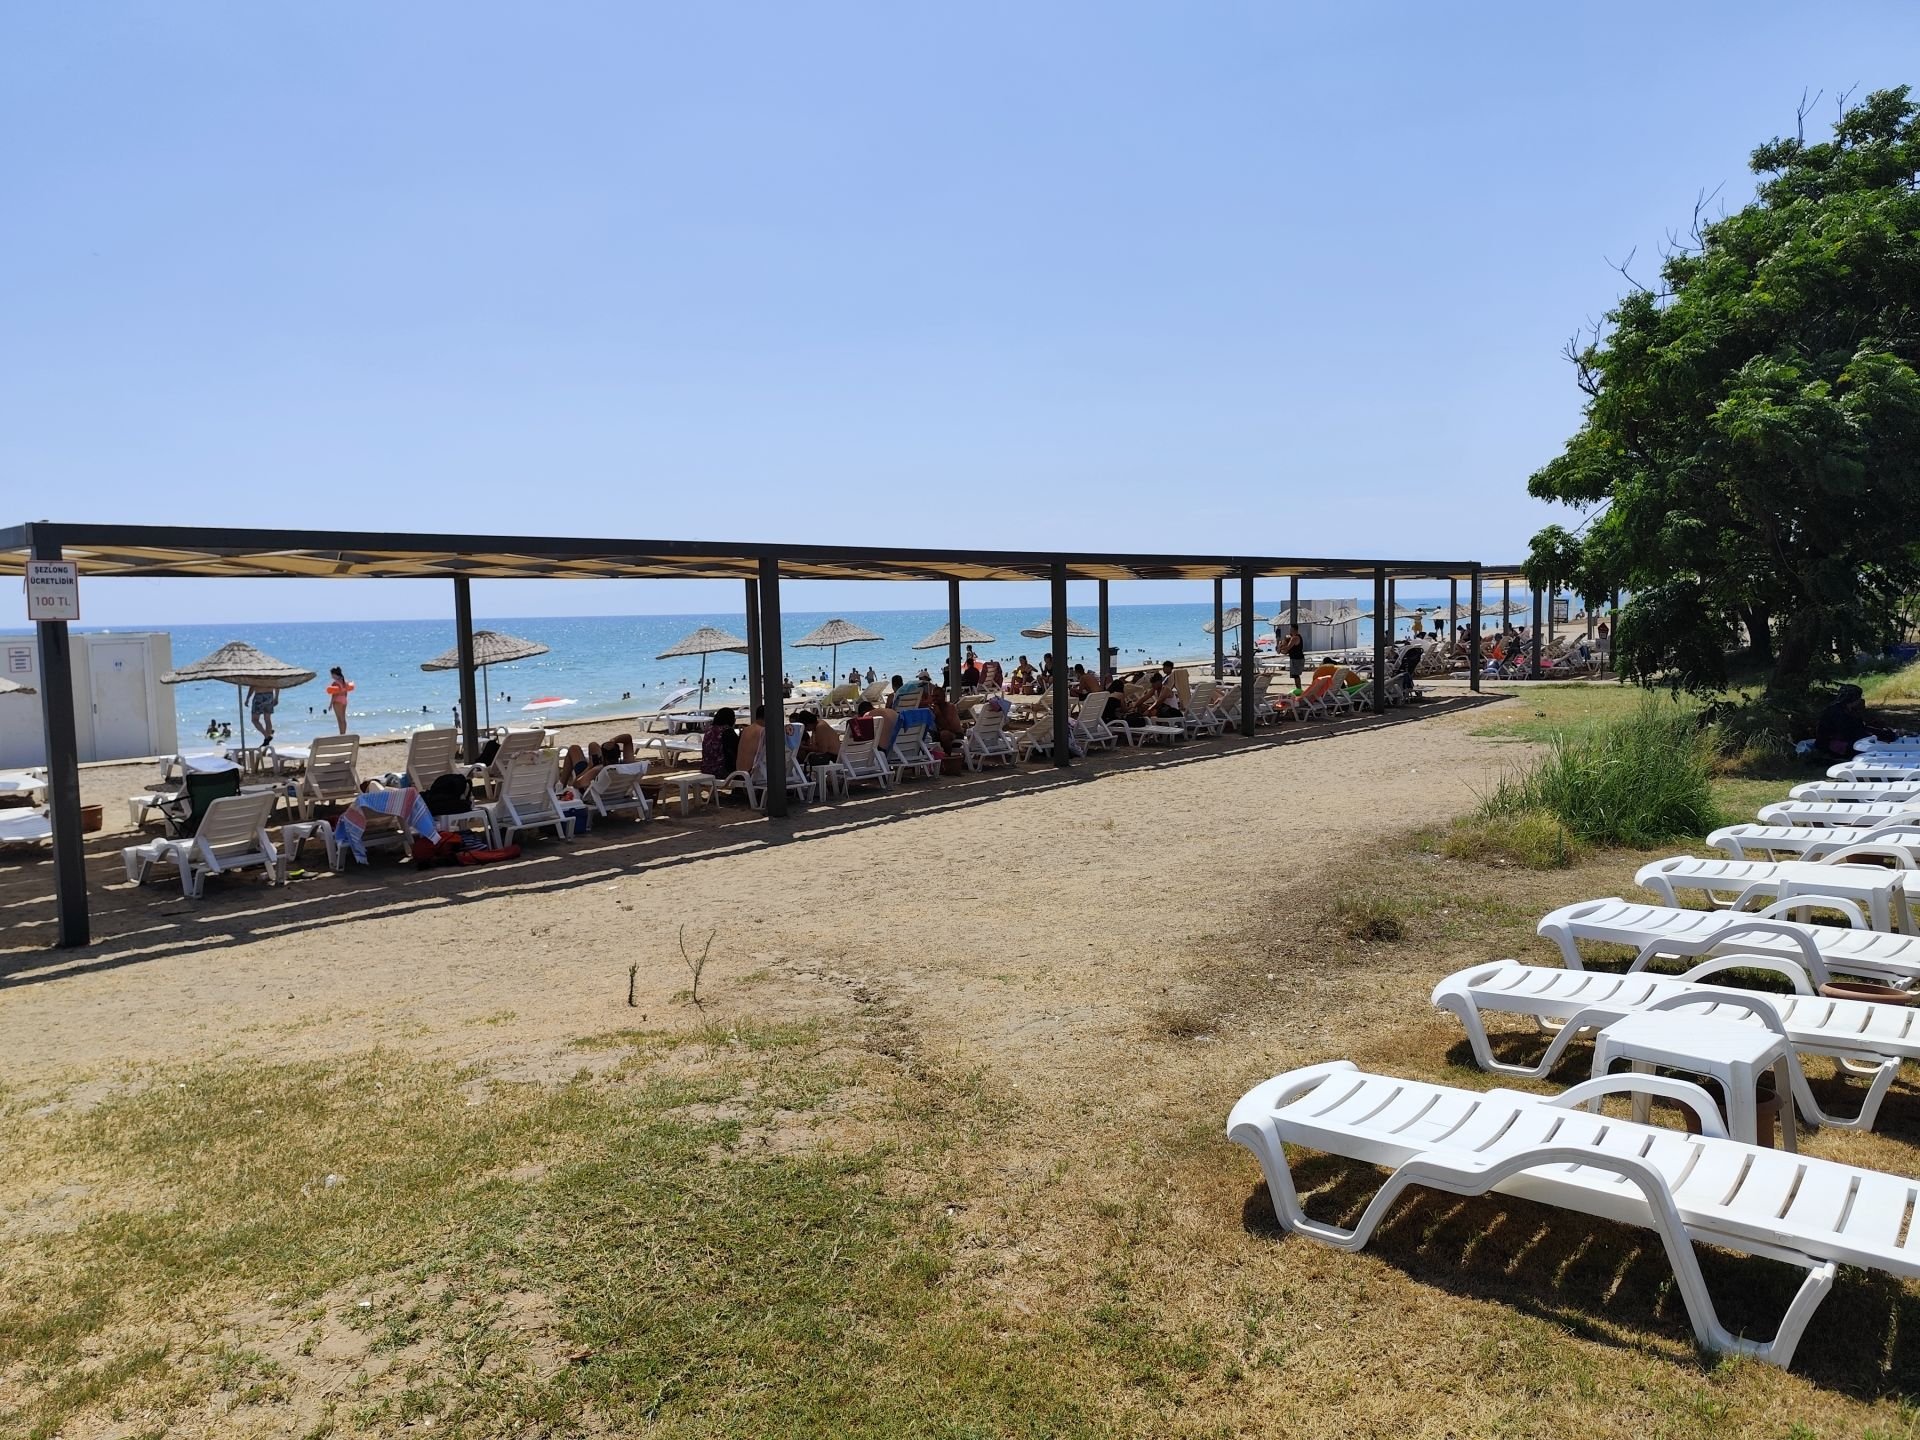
233,823
202,791
332,768
527,785
1093,709
430,754
989,722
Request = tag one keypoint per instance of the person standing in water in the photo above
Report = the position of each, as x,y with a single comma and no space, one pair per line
338,688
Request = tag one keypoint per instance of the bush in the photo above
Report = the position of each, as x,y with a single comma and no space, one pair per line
1635,781
1534,839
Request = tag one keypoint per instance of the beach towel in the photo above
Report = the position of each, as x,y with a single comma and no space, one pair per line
351,828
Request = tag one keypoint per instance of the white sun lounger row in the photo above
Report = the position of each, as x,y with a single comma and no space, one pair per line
1815,1214
1666,932
1819,842
1878,892
1870,1039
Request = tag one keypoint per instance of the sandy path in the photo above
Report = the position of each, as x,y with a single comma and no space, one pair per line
1030,931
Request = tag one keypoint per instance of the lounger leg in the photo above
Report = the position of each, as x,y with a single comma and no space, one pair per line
1882,1080
1563,1035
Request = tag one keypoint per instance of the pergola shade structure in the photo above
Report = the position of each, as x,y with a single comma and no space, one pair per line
236,553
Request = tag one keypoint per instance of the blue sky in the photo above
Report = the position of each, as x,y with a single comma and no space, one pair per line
1242,277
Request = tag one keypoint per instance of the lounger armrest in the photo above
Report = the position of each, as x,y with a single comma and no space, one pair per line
1901,859
1783,968
1815,963
1693,1096
1257,1106
1759,1006
1855,916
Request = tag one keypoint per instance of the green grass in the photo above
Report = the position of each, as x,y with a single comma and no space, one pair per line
1633,779
695,1287
1534,839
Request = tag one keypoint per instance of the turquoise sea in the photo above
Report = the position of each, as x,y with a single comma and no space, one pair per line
605,664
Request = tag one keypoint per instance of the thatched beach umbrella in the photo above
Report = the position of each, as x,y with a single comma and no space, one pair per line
705,641
490,647
242,666
835,633
1075,631
1229,622
939,639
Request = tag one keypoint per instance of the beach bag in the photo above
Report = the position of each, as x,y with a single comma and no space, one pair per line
440,851
449,795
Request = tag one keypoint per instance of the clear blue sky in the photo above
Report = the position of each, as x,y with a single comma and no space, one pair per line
1248,277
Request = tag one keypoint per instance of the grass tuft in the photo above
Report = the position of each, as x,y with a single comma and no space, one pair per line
1638,780
1531,839
1369,917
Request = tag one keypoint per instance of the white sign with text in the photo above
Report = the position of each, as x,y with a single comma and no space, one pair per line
53,590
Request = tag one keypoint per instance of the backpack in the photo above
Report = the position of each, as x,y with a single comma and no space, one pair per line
449,795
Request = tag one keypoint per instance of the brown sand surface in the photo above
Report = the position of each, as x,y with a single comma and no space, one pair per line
1023,920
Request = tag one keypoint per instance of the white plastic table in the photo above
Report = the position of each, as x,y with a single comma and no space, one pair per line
1879,891
1733,1052
687,785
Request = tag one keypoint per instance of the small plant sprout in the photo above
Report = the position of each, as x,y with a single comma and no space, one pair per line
696,964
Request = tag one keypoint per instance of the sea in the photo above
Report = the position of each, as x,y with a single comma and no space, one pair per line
605,665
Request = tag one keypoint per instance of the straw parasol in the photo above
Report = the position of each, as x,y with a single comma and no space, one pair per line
1075,631
705,641
835,633
1229,621
490,647
14,687
242,666
939,639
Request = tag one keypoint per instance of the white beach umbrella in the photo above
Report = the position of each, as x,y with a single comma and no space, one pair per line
705,641
241,665
549,702
835,633
677,696
490,647
14,687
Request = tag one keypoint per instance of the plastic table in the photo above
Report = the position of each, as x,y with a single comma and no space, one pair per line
1733,1052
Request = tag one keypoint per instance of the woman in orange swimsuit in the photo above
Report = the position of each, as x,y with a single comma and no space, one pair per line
338,688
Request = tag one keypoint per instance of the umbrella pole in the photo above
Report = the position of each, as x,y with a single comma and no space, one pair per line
240,700
703,680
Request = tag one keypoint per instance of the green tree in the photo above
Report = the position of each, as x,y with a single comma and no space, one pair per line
1753,424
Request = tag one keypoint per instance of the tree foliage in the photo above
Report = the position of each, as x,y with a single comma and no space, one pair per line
1754,423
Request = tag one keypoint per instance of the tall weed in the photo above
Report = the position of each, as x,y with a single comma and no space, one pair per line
1634,781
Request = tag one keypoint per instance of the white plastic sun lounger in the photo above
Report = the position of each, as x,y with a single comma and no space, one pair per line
1819,842
912,754
26,827
864,764
1090,725
1838,812
332,776
1037,738
1880,892
1660,931
987,739
1856,792
1816,1214
232,836
1881,767
616,788
528,800
1868,1039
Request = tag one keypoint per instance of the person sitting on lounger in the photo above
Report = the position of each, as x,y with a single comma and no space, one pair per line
820,742
720,745
947,724
861,725
1023,677
751,736
1844,722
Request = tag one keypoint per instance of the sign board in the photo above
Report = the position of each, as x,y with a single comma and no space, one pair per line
53,590
1559,609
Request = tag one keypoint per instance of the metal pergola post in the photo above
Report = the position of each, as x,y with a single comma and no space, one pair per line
463,639
773,744
1473,632
1392,610
1382,605
1453,606
1062,721
1106,637
1506,602
953,641
1293,601
63,770
1536,634
1219,633
753,647
1249,654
